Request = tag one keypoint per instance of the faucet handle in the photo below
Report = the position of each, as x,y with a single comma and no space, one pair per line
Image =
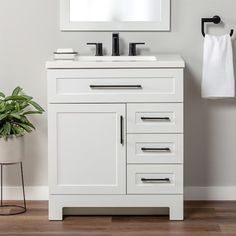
132,48
99,48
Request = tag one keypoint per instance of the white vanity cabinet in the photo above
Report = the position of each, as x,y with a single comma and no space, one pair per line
116,135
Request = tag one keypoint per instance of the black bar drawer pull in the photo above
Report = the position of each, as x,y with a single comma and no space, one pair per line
155,118
155,149
151,181
121,130
116,86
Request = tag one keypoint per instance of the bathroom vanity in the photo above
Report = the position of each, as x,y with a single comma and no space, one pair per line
116,133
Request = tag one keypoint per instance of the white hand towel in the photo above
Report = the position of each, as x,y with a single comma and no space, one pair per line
218,70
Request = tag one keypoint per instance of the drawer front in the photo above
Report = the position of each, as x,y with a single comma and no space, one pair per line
155,118
155,148
155,179
113,85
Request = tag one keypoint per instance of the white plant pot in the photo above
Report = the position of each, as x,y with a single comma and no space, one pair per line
11,150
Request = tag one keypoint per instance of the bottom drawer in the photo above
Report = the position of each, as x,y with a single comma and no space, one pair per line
155,179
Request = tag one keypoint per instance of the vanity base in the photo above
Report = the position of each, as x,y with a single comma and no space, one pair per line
173,202
116,136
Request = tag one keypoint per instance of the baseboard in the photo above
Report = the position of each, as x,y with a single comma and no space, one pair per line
32,193
191,193
220,193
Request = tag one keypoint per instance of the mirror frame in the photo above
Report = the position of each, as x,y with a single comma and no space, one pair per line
66,25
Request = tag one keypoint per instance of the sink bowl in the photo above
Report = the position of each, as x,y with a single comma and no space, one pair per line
116,59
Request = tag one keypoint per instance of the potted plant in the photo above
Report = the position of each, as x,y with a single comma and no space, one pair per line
14,124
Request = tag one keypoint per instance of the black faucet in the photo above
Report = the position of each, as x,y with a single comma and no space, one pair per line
132,48
99,50
115,44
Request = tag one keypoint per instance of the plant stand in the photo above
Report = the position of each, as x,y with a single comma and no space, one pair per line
22,209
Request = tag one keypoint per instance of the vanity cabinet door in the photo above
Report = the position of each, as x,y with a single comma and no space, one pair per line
87,151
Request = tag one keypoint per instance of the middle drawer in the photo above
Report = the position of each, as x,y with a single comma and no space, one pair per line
155,148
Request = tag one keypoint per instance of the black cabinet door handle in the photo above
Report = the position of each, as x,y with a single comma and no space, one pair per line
121,130
155,118
116,86
153,181
155,149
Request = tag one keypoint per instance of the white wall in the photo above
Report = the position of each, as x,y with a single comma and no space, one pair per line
29,33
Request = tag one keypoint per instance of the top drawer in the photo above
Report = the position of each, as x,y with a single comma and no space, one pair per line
115,85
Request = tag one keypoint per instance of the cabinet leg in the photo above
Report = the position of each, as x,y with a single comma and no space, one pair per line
177,212
55,212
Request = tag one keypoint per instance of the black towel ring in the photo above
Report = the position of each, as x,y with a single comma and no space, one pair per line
215,20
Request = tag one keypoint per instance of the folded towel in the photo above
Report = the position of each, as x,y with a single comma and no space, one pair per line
218,70
65,56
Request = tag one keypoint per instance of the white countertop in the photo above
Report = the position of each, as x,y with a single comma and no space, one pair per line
163,61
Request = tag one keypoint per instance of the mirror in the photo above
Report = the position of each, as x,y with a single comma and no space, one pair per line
115,15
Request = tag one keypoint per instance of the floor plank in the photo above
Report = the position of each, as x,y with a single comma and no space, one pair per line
202,219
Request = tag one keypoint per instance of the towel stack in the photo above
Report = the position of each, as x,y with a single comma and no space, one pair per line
65,54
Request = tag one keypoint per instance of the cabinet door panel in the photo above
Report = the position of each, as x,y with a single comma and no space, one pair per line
86,150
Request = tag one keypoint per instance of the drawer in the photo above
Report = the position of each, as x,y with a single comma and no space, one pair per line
155,148
155,179
115,85
155,118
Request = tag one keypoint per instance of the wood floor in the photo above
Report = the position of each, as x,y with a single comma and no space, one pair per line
202,219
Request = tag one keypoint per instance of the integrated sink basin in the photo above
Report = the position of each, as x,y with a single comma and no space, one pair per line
116,58
101,62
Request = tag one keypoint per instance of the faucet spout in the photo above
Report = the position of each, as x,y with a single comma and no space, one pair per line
115,44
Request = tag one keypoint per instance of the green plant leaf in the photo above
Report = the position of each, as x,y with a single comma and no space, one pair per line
16,91
25,127
7,129
27,97
17,106
36,106
2,95
23,105
31,113
18,130
29,124
25,121
16,116
15,98
3,116
2,106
